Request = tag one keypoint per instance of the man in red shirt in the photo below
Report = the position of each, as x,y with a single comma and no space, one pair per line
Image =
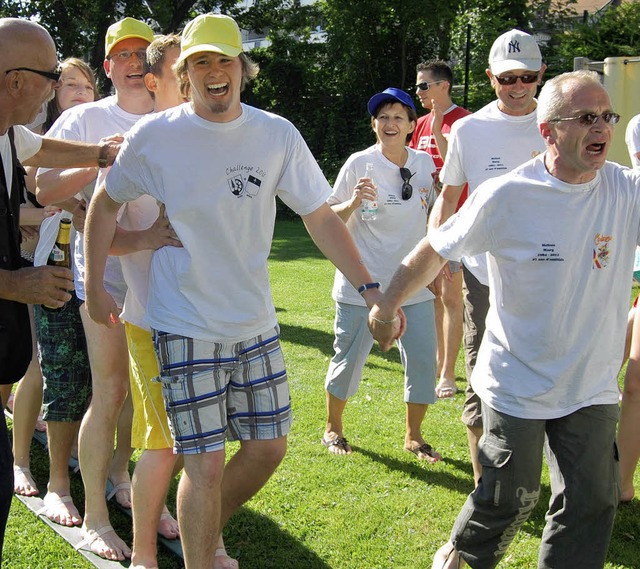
433,87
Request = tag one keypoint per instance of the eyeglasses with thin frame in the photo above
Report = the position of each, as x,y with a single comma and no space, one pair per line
589,119
125,55
424,86
51,75
527,79
407,189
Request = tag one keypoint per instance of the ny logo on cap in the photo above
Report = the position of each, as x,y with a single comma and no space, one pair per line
514,46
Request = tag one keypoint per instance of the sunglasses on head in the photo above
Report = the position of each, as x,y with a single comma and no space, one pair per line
407,189
424,86
527,79
589,119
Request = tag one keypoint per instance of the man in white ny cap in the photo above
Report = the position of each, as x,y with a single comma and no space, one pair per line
492,141
209,306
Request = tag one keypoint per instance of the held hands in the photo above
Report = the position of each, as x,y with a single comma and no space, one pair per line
386,328
363,190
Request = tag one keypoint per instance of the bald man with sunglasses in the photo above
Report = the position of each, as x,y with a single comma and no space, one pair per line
492,141
29,73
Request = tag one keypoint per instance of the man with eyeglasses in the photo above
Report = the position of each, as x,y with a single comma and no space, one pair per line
434,82
125,45
560,232
28,75
490,142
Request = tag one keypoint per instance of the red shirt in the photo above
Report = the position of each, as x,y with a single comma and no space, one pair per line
423,139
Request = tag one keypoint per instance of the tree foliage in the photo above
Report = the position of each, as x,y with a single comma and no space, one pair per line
79,26
323,86
616,33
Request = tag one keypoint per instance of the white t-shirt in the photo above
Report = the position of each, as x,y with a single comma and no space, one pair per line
560,263
484,145
90,123
27,145
399,225
632,138
136,215
218,182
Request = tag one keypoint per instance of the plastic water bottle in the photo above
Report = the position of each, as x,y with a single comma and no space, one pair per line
369,210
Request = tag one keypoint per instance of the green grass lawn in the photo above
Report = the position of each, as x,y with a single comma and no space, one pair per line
379,507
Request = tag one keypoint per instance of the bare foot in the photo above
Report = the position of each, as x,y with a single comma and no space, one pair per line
61,510
336,443
23,482
447,558
446,388
122,491
627,494
168,526
422,450
223,561
105,543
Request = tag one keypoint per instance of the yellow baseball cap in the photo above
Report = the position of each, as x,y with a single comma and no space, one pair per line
211,32
125,29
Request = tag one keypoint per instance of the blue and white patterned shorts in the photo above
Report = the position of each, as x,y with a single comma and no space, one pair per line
217,391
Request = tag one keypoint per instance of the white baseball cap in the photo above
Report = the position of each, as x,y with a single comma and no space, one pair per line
515,50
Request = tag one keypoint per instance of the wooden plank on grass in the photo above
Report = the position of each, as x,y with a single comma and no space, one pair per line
71,535
172,545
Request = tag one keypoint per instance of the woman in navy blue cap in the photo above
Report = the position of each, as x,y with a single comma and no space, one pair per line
401,184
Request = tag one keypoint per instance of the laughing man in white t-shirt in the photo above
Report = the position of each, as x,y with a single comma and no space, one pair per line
560,232
209,304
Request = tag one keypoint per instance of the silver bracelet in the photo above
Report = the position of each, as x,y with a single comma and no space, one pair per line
384,321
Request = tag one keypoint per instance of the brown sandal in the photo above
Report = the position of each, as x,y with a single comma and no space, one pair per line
340,442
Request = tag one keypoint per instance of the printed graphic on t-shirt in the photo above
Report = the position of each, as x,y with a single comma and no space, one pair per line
423,143
245,180
601,253
392,200
548,252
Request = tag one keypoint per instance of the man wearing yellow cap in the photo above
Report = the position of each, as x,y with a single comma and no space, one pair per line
125,45
210,307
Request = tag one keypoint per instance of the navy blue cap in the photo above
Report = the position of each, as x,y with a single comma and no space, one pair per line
390,94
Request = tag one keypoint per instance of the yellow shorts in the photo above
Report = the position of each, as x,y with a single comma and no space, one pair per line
150,429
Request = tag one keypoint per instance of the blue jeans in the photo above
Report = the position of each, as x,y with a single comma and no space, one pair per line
585,484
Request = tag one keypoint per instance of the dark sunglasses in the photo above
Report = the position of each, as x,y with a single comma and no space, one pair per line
407,189
589,119
527,79
424,86
53,75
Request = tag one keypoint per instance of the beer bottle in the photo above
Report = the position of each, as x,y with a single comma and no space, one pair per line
60,255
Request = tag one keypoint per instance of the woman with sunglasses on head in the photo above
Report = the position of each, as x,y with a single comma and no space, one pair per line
402,186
